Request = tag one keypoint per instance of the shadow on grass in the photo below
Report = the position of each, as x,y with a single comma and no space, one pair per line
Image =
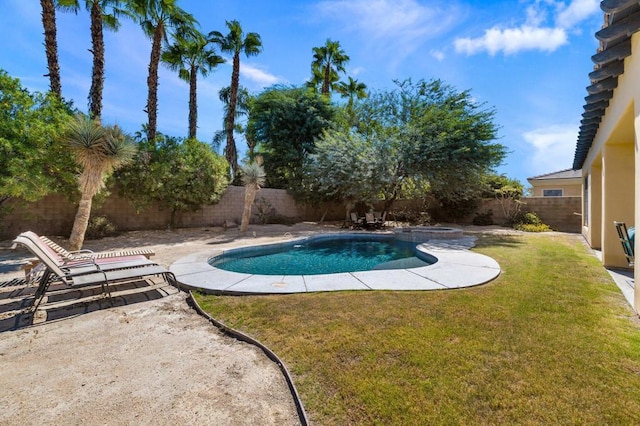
492,240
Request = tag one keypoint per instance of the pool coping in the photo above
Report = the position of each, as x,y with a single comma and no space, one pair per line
457,267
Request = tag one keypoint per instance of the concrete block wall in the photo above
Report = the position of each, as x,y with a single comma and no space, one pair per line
560,213
54,214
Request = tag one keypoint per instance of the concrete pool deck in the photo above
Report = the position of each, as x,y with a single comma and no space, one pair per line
457,267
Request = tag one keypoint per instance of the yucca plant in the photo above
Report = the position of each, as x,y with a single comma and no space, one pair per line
99,151
253,178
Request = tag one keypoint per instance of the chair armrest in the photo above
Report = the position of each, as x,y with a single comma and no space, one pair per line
82,251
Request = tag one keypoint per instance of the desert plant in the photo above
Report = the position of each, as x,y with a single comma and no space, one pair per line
253,177
100,227
483,219
264,210
99,151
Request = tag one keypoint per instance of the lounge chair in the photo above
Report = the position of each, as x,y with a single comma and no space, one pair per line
356,222
369,220
88,254
380,218
84,272
627,237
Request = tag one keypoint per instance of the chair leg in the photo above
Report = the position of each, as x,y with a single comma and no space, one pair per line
43,286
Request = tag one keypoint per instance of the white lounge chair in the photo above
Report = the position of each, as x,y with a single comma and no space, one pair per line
83,272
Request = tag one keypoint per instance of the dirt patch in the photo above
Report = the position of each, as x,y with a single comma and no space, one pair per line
156,362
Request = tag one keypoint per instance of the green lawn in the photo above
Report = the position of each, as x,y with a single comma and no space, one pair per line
551,341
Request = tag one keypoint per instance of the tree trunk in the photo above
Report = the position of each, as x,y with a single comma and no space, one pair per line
249,195
81,222
152,83
97,73
230,151
325,82
193,101
51,45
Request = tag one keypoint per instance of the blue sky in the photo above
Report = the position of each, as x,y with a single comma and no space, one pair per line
528,59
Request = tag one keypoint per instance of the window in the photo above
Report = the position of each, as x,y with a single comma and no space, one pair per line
585,201
552,192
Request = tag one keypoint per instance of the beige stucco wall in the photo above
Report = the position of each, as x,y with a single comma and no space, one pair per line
570,187
614,192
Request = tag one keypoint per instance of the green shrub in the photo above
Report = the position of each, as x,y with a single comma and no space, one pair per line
527,227
100,227
528,218
483,219
530,222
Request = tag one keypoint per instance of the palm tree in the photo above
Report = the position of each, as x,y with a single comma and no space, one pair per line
351,90
99,151
190,54
99,18
253,177
242,109
328,60
235,43
51,45
157,18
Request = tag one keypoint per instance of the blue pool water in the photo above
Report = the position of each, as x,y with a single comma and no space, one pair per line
323,256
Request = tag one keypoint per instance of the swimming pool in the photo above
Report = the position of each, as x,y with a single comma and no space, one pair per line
325,255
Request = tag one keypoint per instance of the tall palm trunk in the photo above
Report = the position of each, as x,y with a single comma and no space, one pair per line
51,45
97,73
231,152
193,101
152,83
327,78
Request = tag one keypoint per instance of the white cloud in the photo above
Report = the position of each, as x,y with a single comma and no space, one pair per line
533,34
553,147
513,40
258,76
400,26
576,12
437,54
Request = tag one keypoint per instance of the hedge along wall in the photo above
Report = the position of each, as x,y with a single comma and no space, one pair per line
54,214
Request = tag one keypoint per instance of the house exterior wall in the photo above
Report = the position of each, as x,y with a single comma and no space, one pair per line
610,164
570,187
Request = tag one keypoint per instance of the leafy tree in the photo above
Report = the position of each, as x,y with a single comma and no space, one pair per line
347,167
508,193
235,43
189,55
253,177
158,18
99,151
180,175
444,136
425,133
285,122
104,13
33,160
328,61
51,45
